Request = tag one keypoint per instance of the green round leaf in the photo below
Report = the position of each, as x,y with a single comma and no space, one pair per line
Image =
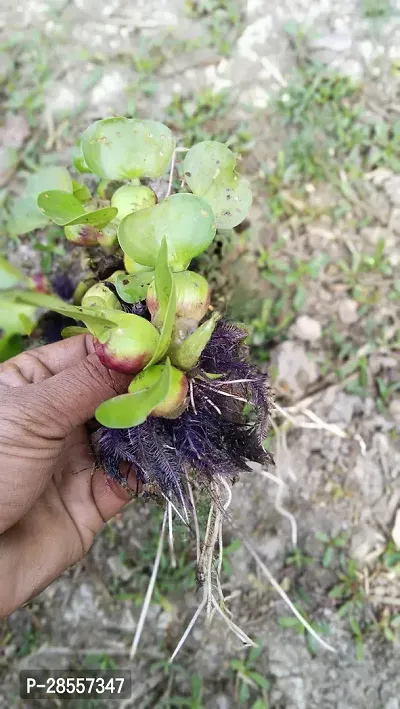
98,218
204,162
209,169
59,206
123,148
130,198
16,318
25,216
66,210
48,178
130,410
133,289
10,276
184,220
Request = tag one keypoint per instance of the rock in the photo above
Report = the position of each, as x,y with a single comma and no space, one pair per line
118,568
394,409
348,311
367,544
294,370
396,530
343,408
306,328
392,189
14,131
336,42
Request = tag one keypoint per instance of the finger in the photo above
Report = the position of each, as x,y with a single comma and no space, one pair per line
87,494
33,366
53,535
53,408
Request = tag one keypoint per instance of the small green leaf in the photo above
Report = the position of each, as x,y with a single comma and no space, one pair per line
10,276
48,178
72,330
123,148
133,289
96,321
10,346
80,191
166,294
129,410
99,218
327,557
288,621
25,216
186,355
16,318
244,693
259,679
61,207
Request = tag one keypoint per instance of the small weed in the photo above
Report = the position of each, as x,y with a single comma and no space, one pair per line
204,116
391,557
299,559
288,280
331,545
249,682
376,8
99,662
192,702
290,621
348,594
358,637
329,132
362,264
223,19
389,625
170,580
385,391
28,641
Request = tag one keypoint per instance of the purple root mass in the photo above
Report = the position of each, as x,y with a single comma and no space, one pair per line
216,435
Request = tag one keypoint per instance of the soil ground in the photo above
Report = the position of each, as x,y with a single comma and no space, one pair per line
308,92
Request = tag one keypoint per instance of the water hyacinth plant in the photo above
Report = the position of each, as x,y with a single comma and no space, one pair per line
196,411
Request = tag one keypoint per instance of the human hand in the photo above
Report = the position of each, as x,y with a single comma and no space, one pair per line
52,501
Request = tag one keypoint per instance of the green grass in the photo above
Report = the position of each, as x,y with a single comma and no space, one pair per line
328,133
376,8
288,278
223,22
205,115
249,682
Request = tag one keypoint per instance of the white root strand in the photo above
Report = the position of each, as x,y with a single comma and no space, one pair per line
171,537
278,503
195,519
150,588
285,597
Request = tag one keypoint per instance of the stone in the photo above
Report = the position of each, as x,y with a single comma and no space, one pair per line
336,42
394,409
306,328
392,189
348,311
396,530
294,370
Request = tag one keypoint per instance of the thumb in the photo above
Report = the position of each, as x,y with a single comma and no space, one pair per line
68,399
